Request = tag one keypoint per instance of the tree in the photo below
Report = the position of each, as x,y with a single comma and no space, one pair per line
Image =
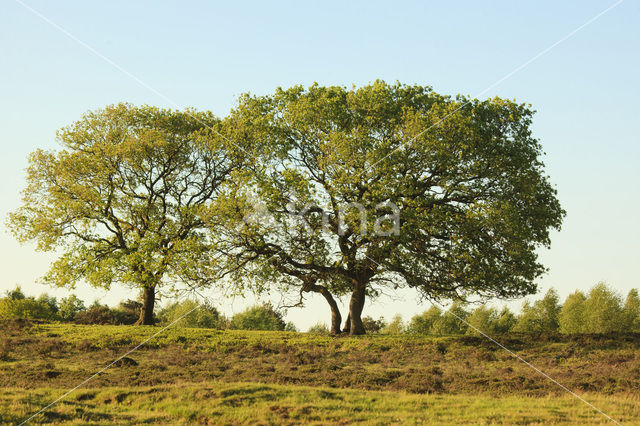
201,316
15,294
318,328
263,317
571,317
395,326
603,311
425,322
632,311
26,307
373,325
452,321
542,316
391,185
69,307
123,198
95,314
483,319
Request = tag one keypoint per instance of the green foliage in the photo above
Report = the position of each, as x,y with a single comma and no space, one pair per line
27,307
542,316
123,199
95,314
373,325
452,321
193,313
632,311
471,190
127,312
318,328
290,326
395,326
484,319
15,294
424,323
262,317
603,312
571,317
69,307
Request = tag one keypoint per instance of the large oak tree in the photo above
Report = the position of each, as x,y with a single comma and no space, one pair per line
465,175
122,200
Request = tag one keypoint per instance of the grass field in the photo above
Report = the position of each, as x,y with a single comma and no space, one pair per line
210,376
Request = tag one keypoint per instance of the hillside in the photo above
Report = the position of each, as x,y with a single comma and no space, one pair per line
238,376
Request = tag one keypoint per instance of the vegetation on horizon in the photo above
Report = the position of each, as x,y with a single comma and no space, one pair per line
601,310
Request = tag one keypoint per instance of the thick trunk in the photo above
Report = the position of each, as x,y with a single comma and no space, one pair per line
355,308
148,302
336,318
347,324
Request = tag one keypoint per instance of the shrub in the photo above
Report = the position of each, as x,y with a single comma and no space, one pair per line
69,307
16,306
127,312
200,316
603,311
95,314
424,322
542,316
451,321
632,311
262,317
319,328
373,326
571,317
290,327
396,326
484,319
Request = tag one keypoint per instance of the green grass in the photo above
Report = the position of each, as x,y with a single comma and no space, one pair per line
199,375
259,403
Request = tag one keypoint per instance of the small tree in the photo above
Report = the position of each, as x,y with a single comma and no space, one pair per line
603,311
395,326
318,328
506,321
95,314
15,294
69,307
123,199
485,319
263,317
452,321
632,311
372,325
571,317
542,316
425,322
200,316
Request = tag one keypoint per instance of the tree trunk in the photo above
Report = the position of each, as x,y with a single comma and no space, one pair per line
336,318
148,302
347,324
355,309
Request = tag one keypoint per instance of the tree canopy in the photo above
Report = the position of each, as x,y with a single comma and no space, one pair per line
389,185
123,198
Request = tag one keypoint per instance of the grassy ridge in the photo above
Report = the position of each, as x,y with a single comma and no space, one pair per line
466,379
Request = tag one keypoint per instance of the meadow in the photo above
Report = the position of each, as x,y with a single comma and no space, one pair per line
188,375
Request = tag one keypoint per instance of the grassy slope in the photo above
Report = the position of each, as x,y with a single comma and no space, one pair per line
192,374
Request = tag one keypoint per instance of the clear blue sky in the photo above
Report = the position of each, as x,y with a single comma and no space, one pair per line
204,54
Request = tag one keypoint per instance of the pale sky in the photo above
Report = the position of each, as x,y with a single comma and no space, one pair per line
204,54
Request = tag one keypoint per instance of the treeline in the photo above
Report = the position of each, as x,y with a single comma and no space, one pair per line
186,313
601,310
